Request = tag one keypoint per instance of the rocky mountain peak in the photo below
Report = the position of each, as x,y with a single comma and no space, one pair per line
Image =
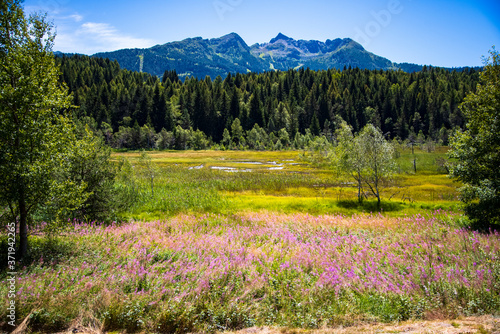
280,37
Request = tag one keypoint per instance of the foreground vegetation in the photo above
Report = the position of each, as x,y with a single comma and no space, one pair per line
208,272
221,240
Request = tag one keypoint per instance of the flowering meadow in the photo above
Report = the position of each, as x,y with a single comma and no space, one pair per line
208,272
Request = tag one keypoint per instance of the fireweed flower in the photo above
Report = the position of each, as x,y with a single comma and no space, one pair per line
253,256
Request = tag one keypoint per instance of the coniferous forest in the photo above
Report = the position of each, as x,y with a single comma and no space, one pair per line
271,110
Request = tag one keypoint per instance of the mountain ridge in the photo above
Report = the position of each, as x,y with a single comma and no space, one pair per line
198,57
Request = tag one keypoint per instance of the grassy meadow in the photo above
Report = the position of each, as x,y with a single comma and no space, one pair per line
224,240
234,181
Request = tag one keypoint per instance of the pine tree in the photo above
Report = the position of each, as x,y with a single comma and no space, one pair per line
255,112
315,128
158,109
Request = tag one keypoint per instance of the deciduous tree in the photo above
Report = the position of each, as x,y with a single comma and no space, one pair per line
377,159
34,136
477,148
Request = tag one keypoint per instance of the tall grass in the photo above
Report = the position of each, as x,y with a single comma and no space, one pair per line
208,272
176,189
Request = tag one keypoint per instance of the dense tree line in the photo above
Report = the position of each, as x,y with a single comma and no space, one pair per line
134,110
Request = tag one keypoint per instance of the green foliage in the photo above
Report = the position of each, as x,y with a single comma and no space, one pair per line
175,190
476,150
367,157
52,249
237,132
51,167
179,319
90,164
149,169
34,137
127,187
348,153
320,152
376,159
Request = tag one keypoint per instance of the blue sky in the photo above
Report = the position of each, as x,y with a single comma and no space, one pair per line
441,33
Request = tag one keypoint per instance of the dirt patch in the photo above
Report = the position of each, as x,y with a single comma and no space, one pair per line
483,325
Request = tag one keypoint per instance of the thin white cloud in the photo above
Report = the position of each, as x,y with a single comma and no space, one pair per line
76,17
93,37
102,29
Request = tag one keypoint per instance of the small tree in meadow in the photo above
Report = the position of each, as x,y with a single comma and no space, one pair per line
348,159
368,157
376,156
149,169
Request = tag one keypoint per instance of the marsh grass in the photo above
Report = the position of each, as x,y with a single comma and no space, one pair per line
176,190
426,162
232,181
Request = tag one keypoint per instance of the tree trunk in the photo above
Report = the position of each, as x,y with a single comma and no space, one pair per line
360,198
377,193
23,227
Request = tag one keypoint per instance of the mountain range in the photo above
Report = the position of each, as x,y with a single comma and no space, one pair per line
200,57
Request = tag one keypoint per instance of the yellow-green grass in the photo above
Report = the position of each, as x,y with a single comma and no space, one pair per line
211,156
251,201
426,162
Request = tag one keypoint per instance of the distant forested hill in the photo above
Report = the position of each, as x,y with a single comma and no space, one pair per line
134,109
197,57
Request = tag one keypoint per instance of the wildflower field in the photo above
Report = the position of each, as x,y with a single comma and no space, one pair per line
212,272
195,258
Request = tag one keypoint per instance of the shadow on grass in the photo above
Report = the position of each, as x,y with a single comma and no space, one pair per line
484,226
370,206
41,250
